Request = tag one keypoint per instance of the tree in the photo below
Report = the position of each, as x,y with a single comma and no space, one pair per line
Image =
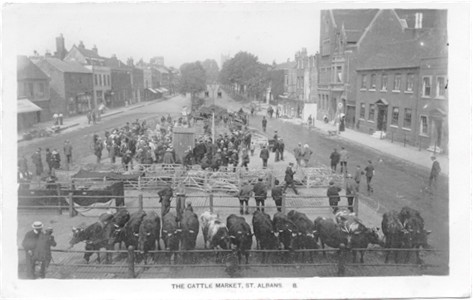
211,69
193,78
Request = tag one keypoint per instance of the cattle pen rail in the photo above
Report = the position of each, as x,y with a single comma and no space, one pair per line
202,263
207,201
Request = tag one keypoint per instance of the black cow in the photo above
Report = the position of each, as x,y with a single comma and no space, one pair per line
190,229
132,229
287,230
330,233
95,238
149,235
306,232
240,235
119,220
414,224
395,234
266,237
171,233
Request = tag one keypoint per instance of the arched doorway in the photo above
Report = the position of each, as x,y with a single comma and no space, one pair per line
382,119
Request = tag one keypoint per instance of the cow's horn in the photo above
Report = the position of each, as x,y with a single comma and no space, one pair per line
280,231
232,237
191,231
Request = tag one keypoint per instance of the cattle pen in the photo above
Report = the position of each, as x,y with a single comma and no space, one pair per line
68,264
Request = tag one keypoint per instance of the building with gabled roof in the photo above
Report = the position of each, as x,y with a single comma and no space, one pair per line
71,85
91,59
121,88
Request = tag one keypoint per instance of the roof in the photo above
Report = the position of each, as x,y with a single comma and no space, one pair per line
162,69
355,21
431,18
115,63
88,53
407,53
26,106
66,67
286,65
26,69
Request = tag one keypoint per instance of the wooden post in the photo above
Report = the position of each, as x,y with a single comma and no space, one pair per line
356,205
71,205
131,262
211,202
283,203
341,260
140,202
139,183
58,188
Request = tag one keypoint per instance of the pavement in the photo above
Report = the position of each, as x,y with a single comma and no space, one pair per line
407,153
81,121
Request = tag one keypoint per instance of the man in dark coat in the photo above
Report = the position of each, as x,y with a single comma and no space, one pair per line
38,162
29,244
434,172
333,196
68,153
264,155
261,193
49,160
276,193
264,122
350,190
369,172
42,253
281,149
244,196
334,159
289,178
165,196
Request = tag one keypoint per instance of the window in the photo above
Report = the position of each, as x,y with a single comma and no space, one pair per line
364,81
339,74
31,89
108,77
373,82
371,113
100,79
426,86
407,118
362,110
410,83
326,47
384,82
441,86
423,125
395,116
96,77
397,82
41,89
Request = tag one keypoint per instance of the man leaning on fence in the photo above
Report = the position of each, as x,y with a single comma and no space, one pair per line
165,196
244,196
333,196
276,193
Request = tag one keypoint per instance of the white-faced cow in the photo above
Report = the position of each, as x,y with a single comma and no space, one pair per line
205,220
266,236
240,235
149,235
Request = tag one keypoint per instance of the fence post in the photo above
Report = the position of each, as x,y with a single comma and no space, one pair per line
283,203
131,262
139,183
355,204
71,206
59,203
211,202
392,136
341,260
140,202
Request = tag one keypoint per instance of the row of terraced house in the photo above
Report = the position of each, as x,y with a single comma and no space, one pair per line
383,70
79,80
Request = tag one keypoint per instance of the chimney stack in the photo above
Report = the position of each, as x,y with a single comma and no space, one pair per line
60,47
95,50
129,62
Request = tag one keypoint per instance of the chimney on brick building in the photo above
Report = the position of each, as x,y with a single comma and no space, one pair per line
95,50
60,47
129,62
81,45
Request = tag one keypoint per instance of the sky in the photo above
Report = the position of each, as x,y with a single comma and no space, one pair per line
183,32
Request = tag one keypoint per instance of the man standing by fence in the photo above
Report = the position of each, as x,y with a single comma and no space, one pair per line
244,196
276,193
261,192
333,196
165,196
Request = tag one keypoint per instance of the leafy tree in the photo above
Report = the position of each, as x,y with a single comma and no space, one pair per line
211,69
193,78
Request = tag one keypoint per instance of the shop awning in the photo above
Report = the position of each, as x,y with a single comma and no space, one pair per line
26,106
153,90
164,90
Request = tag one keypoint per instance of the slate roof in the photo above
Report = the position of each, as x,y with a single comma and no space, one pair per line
408,52
431,18
26,69
115,63
355,21
286,65
88,53
66,67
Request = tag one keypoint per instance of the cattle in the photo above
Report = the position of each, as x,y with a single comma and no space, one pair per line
287,230
306,231
240,235
132,229
414,224
205,220
359,236
171,234
266,237
329,233
94,237
149,234
117,234
396,235
190,230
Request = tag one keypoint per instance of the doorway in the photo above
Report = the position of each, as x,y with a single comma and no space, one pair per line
382,117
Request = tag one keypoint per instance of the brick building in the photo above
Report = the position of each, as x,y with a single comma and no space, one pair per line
341,32
71,85
91,60
137,82
121,87
402,78
33,93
